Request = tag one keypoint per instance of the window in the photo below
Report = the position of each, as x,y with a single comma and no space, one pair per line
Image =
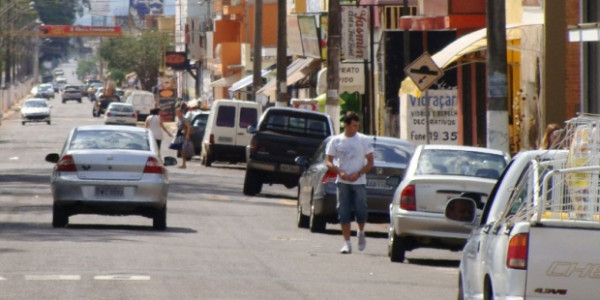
226,116
247,117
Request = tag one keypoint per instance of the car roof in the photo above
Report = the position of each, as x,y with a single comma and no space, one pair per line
120,104
110,127
463,148
36,99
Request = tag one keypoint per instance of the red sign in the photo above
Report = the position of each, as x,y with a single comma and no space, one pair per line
79,31
176,60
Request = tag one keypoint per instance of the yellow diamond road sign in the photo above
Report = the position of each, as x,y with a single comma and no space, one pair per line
423,71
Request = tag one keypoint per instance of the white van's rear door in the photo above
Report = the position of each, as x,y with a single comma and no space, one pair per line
223,129
248,114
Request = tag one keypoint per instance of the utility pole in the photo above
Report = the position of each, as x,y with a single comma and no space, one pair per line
282,92
332,104
257,63
497,88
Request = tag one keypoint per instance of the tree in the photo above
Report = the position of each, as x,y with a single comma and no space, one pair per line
137,54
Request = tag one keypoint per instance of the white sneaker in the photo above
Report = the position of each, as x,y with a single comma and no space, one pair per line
362,241
346,249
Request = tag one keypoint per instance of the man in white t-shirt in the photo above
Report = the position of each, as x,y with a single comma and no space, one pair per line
353,154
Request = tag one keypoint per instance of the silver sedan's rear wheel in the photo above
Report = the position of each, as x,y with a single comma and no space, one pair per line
461,291
395,248
59,217
159,222
317,223
301,220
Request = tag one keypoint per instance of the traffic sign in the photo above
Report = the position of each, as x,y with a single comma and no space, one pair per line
423,71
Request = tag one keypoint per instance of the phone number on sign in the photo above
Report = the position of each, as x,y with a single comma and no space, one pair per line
435,136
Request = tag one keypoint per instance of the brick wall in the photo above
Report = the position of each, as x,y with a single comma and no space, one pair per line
573,90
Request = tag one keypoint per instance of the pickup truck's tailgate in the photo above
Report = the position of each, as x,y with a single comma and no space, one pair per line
285,148
563,263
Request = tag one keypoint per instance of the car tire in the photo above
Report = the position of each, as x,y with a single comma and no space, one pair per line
317,223
302,221
396,251
159,222
59,217
252,183
488,291
23,123
48,122
79,100
208,160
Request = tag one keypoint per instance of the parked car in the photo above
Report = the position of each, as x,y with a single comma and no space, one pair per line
317,189
226,135
109,170
282,134
143,102
35,110
118,113
71,92
198,120
435,174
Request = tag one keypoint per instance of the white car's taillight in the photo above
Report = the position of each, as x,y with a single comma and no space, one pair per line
153,166
407,198
66,164
516,257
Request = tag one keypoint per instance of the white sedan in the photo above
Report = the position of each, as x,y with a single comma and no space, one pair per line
110,170
435,174
35,110
119,113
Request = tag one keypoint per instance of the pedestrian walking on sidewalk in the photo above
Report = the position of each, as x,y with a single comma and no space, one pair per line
350,156
156,125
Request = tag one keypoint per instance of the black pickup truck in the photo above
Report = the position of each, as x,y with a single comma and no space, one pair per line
282,134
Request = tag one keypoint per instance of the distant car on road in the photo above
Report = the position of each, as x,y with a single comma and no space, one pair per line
71,92
35,110
435,174
317,189
45,90
118,113
198,120
110,170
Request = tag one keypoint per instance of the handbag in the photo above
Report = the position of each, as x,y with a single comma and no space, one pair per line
187,149
177,142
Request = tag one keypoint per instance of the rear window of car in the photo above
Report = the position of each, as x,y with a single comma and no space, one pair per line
390,153
71,88
296,124
200,120
226,116
120,108
109,139
460,162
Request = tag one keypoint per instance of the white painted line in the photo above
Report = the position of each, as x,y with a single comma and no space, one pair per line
121,277
52,277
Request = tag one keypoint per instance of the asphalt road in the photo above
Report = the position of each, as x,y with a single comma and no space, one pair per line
219,244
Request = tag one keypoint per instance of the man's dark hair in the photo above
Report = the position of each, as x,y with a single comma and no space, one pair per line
351,116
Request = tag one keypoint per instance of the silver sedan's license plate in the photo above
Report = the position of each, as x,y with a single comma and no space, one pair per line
109,191
290,168
378,184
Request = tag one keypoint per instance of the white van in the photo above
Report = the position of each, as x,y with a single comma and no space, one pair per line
226,135
143,102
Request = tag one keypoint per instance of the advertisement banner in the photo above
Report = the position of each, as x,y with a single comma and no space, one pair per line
355,32
294,41
442,106
352,78
324,28
78,31
310,36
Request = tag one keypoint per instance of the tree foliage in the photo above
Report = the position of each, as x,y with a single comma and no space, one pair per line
142,55
85,68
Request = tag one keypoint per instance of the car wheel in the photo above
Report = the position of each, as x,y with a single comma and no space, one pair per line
252,183
302,221
48,122
461,291
64,101
159,222
59,217
317,223
23,123
79,100
395,249
488,291
209,160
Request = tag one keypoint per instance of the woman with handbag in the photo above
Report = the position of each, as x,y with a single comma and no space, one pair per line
183,129
155,124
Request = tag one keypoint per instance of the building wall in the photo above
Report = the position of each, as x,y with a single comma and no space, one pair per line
269,25
573,65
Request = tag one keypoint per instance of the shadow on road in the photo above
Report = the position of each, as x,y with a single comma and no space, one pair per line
448,263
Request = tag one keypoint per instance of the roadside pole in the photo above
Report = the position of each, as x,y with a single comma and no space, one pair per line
332,104
282,92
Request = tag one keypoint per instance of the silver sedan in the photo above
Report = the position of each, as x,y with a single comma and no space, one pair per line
110,170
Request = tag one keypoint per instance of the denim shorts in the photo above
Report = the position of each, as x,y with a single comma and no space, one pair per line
351,199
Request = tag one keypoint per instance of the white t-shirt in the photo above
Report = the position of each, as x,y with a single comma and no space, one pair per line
154,126
349,154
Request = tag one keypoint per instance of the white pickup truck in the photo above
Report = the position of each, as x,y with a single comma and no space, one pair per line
538,236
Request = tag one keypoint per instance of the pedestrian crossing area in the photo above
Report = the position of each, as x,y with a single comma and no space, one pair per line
70,277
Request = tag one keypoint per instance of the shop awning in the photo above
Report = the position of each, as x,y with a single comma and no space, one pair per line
297,70
246,81
226,81
468,43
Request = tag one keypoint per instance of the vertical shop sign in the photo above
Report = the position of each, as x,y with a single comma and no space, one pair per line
355,32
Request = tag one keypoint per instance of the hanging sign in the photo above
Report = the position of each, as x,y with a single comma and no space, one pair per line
355,32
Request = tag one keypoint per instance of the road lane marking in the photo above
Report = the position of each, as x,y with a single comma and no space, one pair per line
121,277
52,277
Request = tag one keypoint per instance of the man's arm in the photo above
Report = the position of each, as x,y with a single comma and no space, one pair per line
333,169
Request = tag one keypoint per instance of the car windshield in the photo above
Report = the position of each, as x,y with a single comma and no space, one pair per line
390,153
120,108
200,120
109,139
35,104
460,162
